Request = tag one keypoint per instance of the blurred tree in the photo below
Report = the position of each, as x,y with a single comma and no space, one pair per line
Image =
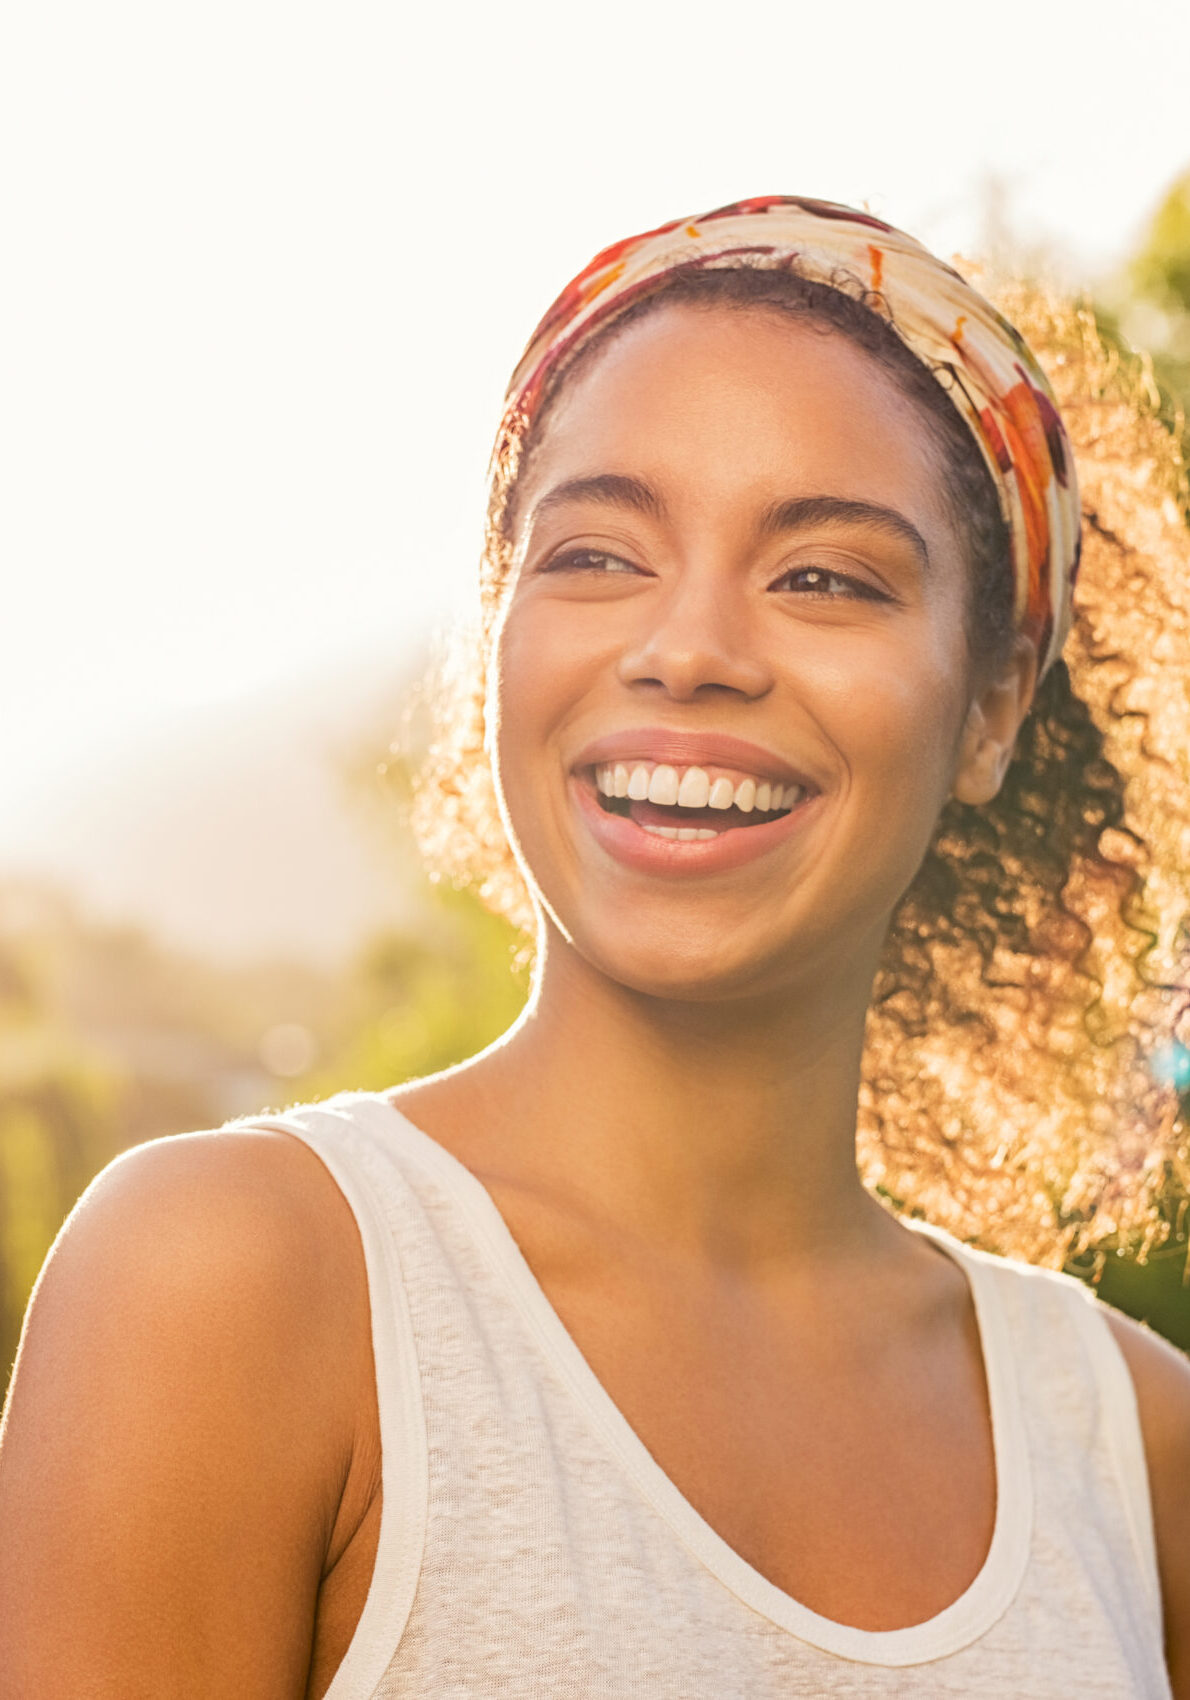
56,1131
1146,307
108,1038
1160,272
1155,1291
432,998
428,996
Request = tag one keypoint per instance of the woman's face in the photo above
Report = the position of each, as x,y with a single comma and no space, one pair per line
735,584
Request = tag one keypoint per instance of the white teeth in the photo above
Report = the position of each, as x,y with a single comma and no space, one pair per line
695,789
663,787
686,833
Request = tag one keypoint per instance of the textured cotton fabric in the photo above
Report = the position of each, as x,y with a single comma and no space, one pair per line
983,363
531,1548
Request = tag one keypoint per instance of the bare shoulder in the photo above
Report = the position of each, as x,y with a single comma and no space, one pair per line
182,1420
1161,1376
239,1221
232,1247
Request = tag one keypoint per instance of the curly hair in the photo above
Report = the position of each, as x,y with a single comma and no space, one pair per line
1022,1053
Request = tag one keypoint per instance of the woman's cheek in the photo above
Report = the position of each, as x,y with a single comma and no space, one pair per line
529,690
903,719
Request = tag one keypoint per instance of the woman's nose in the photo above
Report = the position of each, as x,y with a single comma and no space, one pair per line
698,637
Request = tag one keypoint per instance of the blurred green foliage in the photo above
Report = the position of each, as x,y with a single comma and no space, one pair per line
1156,1292
1148,310
1160,272
433,998
108,1038
1147,306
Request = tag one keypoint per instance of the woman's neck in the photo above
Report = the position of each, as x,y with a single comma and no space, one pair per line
724,1131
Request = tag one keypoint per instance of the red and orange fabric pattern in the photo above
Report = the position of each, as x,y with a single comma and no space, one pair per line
983,363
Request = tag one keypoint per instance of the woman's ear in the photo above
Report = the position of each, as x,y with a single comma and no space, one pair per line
993,721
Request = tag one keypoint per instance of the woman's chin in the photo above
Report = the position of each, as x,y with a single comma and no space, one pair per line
653,962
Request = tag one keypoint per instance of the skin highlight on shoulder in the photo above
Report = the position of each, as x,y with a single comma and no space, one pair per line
193,1327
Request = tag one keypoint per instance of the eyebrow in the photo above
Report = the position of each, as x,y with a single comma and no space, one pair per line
612,489
797,513
802,512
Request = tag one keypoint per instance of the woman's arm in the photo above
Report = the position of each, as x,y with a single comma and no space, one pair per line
1161,1376
180,1428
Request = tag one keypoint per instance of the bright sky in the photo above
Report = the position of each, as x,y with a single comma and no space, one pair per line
268,266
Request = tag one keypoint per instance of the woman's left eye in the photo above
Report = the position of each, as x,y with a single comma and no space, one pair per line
821,581
588,561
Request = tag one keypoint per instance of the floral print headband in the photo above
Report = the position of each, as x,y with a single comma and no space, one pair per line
984,365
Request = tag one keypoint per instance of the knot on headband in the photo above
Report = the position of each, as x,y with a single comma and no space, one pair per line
982,362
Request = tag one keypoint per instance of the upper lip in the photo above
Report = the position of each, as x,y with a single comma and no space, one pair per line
691,749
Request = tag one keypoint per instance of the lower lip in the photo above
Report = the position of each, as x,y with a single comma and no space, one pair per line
647,853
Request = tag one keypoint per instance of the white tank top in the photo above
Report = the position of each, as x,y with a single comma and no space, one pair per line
532,1549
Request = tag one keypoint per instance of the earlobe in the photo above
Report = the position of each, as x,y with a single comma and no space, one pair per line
983,762
993,720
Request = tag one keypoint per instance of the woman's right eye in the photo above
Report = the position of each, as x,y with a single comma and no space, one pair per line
588,561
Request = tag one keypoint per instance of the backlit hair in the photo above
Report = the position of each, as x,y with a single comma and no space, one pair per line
1022,1062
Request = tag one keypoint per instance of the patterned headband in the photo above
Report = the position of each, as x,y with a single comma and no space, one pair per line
983,364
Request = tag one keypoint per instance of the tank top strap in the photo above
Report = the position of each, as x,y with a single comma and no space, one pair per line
349,1133
1079,1396
1121,1419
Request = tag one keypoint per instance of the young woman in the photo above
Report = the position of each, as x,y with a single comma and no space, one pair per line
597,1366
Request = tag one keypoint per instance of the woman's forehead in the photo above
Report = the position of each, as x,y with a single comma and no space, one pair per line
730,404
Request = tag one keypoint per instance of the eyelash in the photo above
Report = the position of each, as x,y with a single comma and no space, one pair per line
856,587
569,559
572,560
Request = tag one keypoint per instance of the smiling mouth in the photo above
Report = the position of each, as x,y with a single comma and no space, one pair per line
689,803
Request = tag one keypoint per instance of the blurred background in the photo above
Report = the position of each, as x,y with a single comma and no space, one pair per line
268,269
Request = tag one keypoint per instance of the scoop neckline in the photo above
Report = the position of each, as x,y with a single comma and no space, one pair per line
969,1616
